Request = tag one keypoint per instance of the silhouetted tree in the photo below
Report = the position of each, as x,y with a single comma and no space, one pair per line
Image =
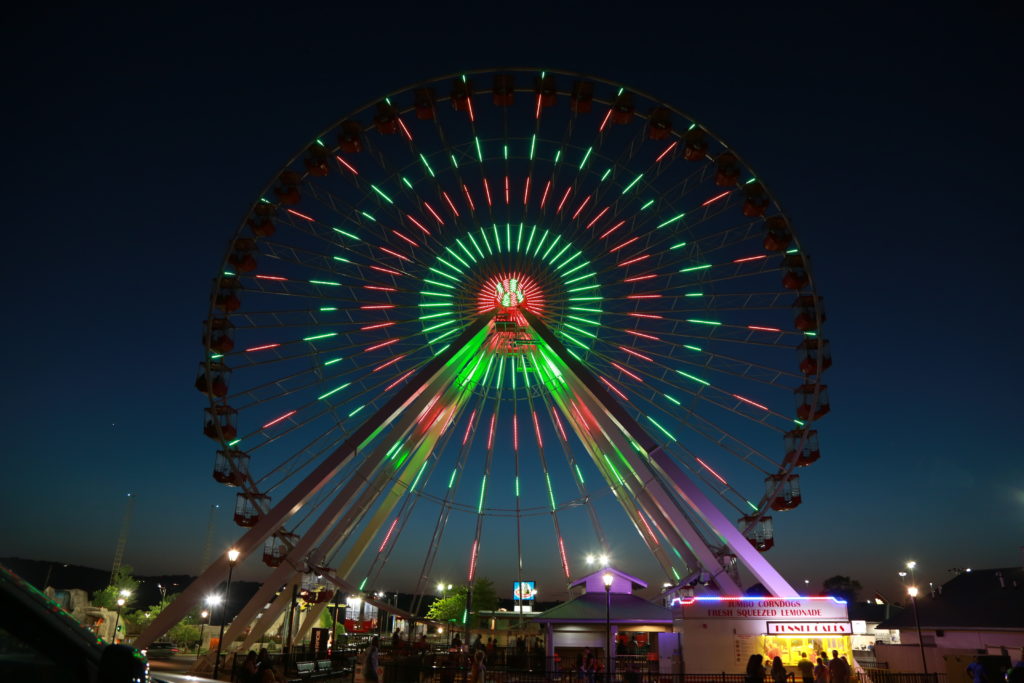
842,587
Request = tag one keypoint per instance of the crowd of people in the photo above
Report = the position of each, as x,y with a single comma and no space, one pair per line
827,670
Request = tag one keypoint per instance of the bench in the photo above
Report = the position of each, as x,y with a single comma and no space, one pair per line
320,670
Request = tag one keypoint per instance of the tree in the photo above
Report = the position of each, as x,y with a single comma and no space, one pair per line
452,608
842,587
122,580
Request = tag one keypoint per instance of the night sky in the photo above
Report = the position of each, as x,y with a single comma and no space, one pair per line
136,141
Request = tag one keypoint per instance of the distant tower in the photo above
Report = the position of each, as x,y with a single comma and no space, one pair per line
209,539
123,538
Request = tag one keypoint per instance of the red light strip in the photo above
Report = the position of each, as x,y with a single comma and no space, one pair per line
490,435
536,429
565,562
558,423
397,381
487,192
395,254
642,334
300,215
626,372
647,526
508,191
387,537
582,206
751,258
637,354
469,103
346,165
763,329
634,260
374,308
526,191
380,289
716,198
624,244
262,348
597,217
667,150
747,400
417,224
544,197
472,561
387,270
403,237
605,122
450,202
469,198
646,315
433,213
378,326
717,476
283,417
404,129
389,342
613,229
638,278
613,388
536,113
390,362
515,432
469,425
564,197
272,277
644,296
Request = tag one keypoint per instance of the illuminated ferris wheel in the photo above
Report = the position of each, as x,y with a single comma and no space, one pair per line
490,306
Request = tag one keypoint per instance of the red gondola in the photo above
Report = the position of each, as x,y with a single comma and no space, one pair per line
288,190
247,508
660,125
231,467
504,90
462,90
582,97
796,276
808,308
350,139
756,200
807,407
777,234
761,532
802,456
423,102
695,145
784,490
220,423
386,119
317,161
727,170
808,352
545,88
623,108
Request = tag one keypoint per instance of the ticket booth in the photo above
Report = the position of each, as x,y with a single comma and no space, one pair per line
720,633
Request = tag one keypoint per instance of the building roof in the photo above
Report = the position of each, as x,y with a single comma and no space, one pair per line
979,599
636,583
591,607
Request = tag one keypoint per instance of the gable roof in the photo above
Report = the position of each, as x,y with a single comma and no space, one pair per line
591,607
637,583
983,598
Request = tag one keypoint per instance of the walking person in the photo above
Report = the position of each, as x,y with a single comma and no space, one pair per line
838,669
805,668
820,672
479,669
371,666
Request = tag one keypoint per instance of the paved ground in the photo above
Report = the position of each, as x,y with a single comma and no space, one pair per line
177,664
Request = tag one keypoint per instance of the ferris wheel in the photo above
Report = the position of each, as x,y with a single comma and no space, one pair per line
497,305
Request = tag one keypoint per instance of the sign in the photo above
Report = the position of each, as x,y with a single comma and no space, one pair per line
805,609
811,628
524,590
318,641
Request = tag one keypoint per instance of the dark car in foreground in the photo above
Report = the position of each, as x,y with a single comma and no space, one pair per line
41,643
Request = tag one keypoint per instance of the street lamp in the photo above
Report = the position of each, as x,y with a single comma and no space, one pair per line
608,578
233,555
120,604
912,592
911,564
205,615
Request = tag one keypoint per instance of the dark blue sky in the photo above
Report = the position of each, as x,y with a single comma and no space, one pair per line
136,140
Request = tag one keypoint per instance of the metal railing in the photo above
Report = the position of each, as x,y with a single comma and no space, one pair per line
878,675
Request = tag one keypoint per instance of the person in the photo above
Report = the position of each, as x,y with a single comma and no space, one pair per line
456,643
371,667
587,665
478,644
265,668
250,671
778,671
755,672
805,668
396,639
838,669
820,672
478,670
976,671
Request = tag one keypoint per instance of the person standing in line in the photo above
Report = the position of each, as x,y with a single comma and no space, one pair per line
479,669
976,672
838,669
778,671
820,672
755,672
805,668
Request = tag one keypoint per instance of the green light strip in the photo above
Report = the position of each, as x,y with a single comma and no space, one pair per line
333,391
320,336
694,378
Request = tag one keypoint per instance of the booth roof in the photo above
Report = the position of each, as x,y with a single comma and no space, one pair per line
637,583
591,607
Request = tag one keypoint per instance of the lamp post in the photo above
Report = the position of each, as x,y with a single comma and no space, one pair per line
912,591
117,621
232,559
334,623
608,578
205,617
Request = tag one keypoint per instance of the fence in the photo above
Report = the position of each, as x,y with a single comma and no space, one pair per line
875,675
